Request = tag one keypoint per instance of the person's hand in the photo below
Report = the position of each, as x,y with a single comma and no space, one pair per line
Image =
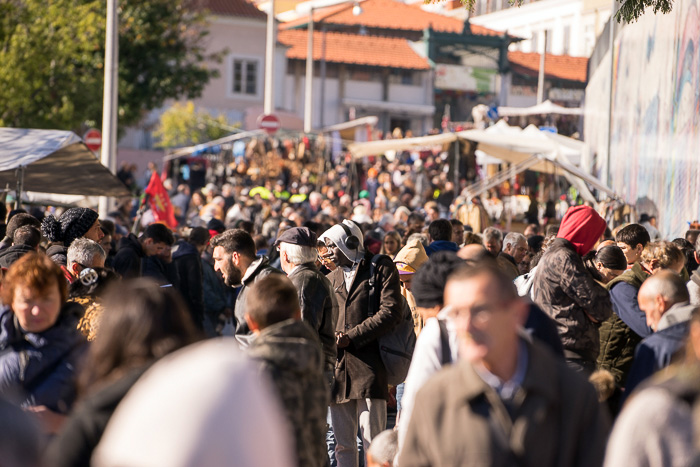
50,421
342,340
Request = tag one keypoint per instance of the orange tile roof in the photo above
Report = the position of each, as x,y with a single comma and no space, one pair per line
356,49
233,8
555,66
390,14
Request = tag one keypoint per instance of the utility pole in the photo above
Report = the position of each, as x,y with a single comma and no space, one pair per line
110,98
611,47
271,40
540,80
308,97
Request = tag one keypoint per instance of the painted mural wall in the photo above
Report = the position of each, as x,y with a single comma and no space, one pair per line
655,147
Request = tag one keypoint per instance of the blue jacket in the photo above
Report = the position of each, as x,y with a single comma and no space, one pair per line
39,368
624,300
441,245
656,351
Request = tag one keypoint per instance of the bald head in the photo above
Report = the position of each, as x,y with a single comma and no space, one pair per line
666,284
472,253
659,293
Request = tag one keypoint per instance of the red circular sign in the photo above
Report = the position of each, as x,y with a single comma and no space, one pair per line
93,139
269,123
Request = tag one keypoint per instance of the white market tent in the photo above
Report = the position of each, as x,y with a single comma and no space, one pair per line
528,149
546,107
360,150
53,161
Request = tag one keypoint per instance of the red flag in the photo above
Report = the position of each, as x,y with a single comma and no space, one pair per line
160,202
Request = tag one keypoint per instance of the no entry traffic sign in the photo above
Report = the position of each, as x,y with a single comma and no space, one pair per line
93,139
269,123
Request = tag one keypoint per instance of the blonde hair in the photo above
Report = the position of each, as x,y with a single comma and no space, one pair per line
666,253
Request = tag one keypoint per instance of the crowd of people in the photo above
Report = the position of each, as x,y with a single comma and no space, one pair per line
282,323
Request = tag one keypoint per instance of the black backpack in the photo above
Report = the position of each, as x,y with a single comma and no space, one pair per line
396,347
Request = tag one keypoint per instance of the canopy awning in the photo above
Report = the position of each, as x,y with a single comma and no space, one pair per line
186,152
371,121
54,161
545,108
528,149
409,109
370,148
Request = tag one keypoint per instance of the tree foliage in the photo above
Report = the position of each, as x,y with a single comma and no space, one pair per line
630,10
52,60
183,125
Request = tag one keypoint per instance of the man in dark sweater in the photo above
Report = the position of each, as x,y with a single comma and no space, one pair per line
235,259
132,249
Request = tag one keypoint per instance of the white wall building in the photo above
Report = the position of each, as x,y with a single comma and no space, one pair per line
572,25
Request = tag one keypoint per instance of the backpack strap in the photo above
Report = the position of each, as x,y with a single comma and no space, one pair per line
445,351
374,293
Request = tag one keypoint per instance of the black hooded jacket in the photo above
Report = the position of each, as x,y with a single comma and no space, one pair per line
12,254
127,261
188,264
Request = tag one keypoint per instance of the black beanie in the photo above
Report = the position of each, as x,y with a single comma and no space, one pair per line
428,285
74,223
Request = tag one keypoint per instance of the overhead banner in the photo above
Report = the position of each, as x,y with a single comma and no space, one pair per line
465,78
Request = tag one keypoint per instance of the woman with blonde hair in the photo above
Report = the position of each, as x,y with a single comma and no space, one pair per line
391,244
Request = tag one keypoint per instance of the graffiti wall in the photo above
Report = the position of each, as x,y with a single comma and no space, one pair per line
655,144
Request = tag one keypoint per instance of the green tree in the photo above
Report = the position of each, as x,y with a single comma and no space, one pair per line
52,60
184,125
630,10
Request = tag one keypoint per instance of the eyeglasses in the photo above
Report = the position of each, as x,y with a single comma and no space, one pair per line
479,315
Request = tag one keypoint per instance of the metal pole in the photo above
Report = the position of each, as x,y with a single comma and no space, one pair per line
109,106
457,157
271,40
540,80
323,74
308,98
20,187
611,47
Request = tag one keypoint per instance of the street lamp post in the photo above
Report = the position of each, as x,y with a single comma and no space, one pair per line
271,39
109,103
308,88
308,98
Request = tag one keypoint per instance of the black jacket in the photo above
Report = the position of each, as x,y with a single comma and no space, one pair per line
58,254
566,291
127,261
319,307
12,254
259,268
188,264
74,444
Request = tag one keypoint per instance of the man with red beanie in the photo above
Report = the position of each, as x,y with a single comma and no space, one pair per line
565,290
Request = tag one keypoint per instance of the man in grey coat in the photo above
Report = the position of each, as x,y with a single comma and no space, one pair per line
319,308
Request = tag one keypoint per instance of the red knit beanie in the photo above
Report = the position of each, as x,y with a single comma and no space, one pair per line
582,226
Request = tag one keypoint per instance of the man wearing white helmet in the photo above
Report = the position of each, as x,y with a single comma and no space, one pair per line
360,390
